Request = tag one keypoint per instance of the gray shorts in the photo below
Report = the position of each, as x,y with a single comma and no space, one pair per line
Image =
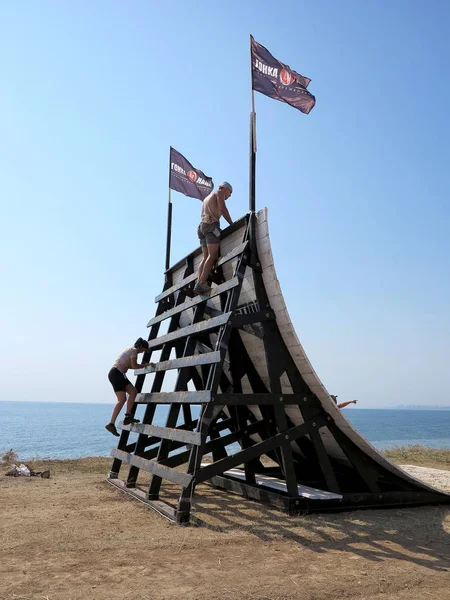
208,233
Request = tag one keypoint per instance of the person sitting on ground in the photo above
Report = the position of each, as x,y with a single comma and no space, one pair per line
123,386
208,231
343,404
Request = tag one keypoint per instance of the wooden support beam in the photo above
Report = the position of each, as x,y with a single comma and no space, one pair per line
257,399
255,451
250,318
216,443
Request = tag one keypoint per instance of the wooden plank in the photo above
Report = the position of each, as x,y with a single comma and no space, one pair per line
166,433
215,291
249,491
183,479
162,508
184,332
201,397
207,358
280,485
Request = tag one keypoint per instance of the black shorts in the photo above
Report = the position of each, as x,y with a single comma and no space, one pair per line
208,233
118,380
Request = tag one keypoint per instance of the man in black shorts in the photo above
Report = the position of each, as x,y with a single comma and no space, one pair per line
122,385
208,231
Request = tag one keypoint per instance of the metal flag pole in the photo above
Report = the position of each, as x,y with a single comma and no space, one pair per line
252,178
169,222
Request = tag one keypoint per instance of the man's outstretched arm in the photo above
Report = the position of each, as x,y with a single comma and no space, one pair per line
344,404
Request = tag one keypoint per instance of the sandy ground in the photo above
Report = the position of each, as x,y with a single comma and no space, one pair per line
74,537
438,478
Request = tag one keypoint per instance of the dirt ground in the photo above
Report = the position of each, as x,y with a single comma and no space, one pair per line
75,537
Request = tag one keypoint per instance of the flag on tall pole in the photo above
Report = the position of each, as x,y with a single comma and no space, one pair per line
185,178
278,81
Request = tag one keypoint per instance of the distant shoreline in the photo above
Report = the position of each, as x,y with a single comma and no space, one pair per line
109,402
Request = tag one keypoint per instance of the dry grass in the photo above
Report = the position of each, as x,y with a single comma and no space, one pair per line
421,456
9,457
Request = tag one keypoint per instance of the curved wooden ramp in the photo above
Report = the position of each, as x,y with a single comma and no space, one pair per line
246,395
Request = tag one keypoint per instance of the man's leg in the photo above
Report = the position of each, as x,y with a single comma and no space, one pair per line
203,261
111,427
121,397
132,393
213,253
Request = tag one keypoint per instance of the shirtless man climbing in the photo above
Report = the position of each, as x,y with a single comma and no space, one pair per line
213,207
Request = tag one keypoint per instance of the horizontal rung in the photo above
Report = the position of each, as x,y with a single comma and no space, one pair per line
183,479
207,358
174,397
187,280
165,433
232,254
255,399
214,323
220,289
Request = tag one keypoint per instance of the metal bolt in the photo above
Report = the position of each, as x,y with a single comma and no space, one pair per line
267,314
297,502
286,437
305,399
258,264
245,431
314,424
281,398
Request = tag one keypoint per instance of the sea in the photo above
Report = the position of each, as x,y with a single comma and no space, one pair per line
72,430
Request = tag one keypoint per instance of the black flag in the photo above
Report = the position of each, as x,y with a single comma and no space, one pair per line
186,179
278,81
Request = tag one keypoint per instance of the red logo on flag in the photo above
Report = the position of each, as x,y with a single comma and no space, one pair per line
286,77
192,176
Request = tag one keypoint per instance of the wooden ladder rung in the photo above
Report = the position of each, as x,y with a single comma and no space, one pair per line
206,358
184,332
151,466
215,291
165,433
201,397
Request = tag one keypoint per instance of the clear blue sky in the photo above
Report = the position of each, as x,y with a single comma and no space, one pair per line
92,94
